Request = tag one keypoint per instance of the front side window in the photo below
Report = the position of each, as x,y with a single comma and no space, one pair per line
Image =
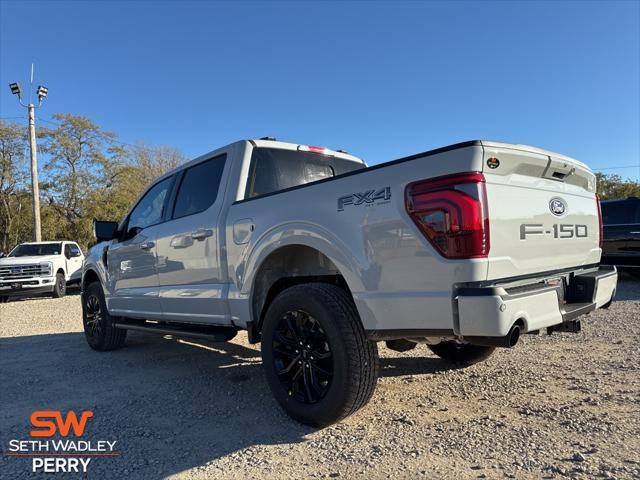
150,209
199,187
274,169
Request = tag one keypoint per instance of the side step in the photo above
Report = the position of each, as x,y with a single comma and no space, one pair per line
188,330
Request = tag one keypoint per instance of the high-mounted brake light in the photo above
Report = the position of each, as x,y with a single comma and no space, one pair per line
600,231
312,149
451,212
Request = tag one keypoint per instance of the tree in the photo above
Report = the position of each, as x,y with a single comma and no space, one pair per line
79,152
14,201
613,187
87,174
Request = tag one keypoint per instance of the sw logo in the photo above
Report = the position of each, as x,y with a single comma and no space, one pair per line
39,419
366,198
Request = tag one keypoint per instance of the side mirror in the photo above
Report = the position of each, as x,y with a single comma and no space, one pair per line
132,232
104,231
75,253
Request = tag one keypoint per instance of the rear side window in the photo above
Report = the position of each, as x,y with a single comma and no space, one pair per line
274,169
199,187
620,213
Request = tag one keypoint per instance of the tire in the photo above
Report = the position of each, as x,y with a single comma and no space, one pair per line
461,353
4,299
60,287
98,326
342,364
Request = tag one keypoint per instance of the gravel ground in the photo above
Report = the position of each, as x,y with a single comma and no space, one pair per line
553,407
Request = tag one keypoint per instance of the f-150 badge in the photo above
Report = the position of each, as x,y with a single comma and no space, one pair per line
367,198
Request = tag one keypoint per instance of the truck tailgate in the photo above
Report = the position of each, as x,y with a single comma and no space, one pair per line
543,211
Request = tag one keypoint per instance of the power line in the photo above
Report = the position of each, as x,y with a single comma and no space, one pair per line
616,168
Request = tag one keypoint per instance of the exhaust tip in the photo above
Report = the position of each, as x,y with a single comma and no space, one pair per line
514,335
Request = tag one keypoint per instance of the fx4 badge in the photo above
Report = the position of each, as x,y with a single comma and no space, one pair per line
366,198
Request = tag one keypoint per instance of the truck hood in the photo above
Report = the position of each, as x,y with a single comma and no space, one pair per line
28,260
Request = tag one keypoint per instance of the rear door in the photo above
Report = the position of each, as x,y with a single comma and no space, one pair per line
543,212
131,261
191,281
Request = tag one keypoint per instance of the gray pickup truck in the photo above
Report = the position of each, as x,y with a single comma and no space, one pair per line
318,257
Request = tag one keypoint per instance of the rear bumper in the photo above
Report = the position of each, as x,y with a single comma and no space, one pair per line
492,311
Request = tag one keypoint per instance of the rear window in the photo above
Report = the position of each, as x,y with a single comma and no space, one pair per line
620,213
274,169
199,187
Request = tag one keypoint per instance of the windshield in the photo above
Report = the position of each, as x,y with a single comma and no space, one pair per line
36,249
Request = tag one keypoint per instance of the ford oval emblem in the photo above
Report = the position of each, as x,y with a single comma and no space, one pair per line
557,206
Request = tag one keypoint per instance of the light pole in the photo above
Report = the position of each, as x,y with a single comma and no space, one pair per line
35,189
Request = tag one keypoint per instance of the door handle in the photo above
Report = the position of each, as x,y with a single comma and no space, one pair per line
201,234
147,245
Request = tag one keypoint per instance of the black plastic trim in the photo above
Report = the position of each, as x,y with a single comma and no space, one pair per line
472,143
395,334
505,281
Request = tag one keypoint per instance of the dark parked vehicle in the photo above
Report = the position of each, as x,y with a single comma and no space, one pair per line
621,227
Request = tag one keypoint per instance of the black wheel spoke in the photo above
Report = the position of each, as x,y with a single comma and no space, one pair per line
286,353
307,384
291,324
314,381
281,338
321,355
288,368
321,370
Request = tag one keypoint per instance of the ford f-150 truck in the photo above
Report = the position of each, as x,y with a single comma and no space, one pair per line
40,267
318,257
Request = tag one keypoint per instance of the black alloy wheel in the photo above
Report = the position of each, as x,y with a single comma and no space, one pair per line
302,357
93,316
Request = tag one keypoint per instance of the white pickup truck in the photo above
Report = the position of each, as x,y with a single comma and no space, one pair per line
40,267
463,248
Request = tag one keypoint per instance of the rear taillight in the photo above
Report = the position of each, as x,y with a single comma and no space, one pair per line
451,212
600,233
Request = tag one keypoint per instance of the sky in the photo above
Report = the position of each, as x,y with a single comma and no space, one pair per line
380,80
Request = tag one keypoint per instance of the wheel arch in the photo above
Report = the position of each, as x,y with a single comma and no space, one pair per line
289,265
88,278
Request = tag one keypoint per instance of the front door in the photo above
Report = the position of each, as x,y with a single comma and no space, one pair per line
73,259
192,285
131,262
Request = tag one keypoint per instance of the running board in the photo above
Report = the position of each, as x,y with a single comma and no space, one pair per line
205,332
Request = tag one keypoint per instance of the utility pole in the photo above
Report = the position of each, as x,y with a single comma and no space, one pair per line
35,189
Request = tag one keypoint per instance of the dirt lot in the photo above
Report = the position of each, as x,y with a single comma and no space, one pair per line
553,407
